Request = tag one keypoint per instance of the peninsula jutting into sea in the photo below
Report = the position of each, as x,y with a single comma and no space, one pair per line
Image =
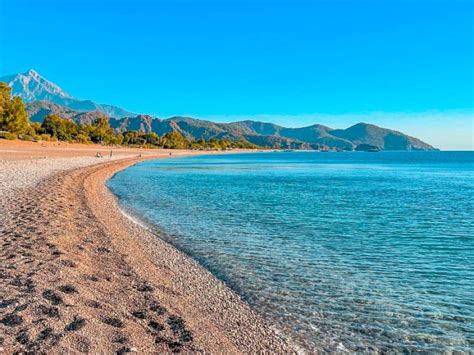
236,177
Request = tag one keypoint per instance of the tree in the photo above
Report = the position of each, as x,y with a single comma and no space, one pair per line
51,125
5,97
101,132
134,138
59,128
19,118
119,139
174,140
13,116
152,138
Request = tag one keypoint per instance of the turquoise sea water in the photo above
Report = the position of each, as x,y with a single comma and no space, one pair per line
355,251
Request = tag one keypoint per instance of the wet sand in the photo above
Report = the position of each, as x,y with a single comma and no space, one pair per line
76,275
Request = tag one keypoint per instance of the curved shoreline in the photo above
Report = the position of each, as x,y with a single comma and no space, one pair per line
116,280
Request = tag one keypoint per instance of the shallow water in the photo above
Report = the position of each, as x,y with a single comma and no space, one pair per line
345,250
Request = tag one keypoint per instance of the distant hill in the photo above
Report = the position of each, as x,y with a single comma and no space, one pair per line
387,139
260,133
31,86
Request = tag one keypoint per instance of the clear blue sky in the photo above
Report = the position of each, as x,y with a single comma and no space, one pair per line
293,62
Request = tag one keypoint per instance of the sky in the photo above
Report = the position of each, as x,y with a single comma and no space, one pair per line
404,64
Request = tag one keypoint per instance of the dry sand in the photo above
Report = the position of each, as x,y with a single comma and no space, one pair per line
76,275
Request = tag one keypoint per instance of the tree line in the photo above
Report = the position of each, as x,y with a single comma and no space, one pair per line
14,123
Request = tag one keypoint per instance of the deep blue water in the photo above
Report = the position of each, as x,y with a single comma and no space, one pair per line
343,250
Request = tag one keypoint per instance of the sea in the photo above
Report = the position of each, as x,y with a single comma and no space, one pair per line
343,251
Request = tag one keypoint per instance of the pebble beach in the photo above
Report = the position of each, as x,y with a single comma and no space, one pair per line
77,275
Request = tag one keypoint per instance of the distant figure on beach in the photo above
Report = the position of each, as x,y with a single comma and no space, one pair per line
111,153
98,155
171,153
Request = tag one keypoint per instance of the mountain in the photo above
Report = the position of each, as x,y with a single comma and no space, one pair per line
31,86
260,133
316,135
38,110
44,97
383,138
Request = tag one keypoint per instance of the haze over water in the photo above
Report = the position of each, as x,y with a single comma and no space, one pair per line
346,250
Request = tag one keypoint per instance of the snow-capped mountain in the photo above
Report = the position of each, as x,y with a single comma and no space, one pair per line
31,86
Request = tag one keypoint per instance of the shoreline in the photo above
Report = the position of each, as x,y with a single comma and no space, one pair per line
155,234
97,281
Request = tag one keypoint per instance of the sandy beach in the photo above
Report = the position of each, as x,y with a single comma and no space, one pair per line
76,275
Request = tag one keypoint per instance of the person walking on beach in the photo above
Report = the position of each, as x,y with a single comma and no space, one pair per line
111,153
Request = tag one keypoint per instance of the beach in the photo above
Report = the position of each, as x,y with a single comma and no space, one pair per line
77,275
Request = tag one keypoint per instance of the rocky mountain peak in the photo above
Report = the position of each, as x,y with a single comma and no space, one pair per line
31,86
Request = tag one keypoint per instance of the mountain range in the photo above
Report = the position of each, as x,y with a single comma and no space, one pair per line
44,97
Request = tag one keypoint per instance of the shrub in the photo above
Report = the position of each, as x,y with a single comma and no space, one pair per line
83,138
45,137
27,137
8,135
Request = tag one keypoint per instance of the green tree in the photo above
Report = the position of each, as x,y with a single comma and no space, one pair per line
174,140
101,132
13,115
59,128
134,138
50,125
119,139
152,138
5,100
21,121
15,119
